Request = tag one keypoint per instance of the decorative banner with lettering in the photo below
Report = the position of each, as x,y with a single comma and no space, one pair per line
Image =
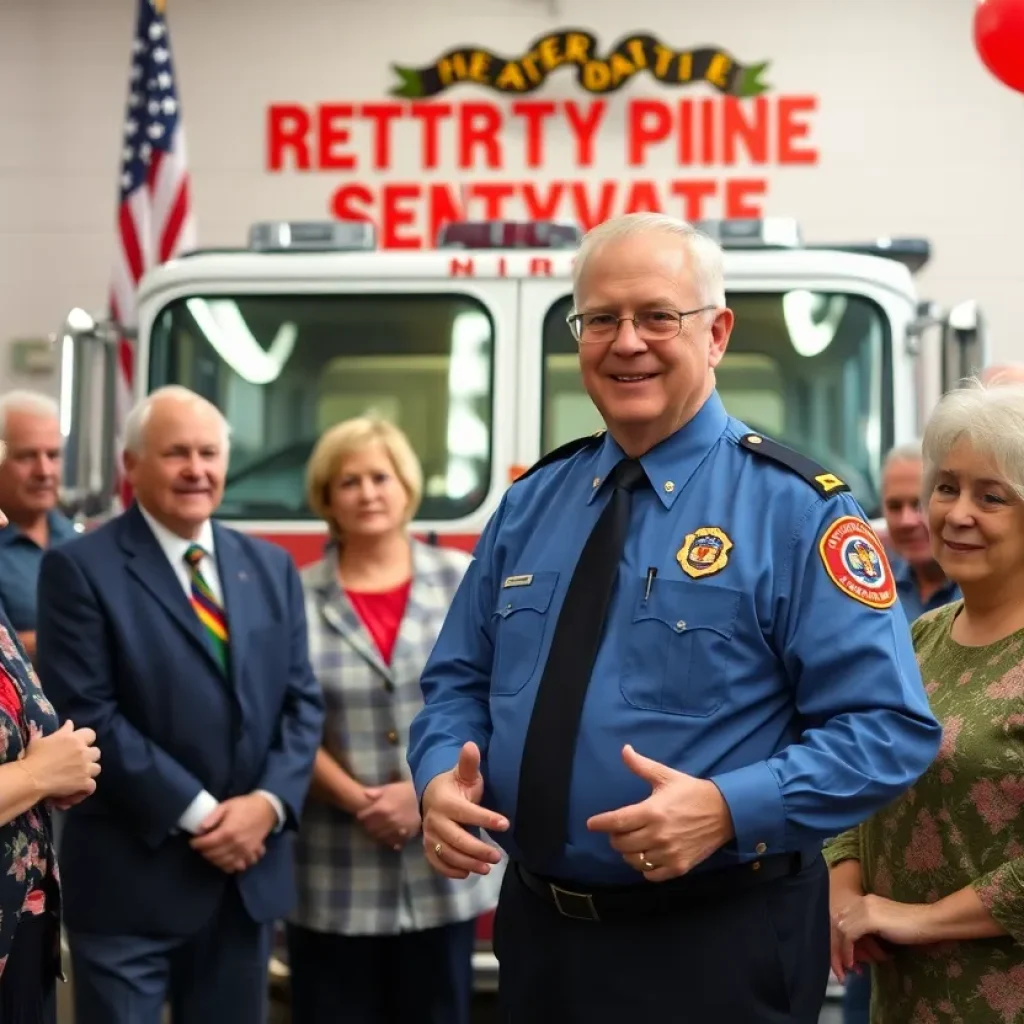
702,144
594,73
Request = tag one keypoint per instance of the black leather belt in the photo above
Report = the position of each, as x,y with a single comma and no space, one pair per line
646,899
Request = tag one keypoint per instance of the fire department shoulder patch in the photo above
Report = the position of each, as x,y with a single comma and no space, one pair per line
857,564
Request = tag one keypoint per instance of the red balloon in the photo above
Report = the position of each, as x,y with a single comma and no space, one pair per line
999,38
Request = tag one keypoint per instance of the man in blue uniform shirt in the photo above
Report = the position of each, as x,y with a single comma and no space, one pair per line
676,665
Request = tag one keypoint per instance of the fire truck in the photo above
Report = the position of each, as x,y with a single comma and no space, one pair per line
466,347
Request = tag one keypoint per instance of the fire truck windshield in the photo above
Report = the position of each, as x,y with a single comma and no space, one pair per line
809,369
283,368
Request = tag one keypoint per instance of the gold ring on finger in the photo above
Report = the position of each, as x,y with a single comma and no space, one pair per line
437,851
645,864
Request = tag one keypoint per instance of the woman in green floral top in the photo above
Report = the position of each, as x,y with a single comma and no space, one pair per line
930,891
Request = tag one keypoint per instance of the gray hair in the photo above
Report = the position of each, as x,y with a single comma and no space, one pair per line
910,451
706,261
33,403
990,418
135,421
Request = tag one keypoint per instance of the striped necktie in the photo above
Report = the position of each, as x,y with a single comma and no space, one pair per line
207,607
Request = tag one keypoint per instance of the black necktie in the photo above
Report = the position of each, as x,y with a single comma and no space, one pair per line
541,822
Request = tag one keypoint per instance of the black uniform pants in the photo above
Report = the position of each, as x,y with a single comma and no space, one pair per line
757,956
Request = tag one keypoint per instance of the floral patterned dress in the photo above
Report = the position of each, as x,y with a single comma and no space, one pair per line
961,824
29,876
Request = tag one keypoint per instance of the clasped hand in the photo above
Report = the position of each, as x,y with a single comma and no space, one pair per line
859,924
392,816
678,826
232,835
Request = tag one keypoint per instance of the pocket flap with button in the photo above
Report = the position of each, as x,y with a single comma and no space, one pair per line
520,621
534,596
685,606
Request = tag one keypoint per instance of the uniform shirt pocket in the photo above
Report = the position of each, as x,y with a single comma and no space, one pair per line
677,652
520,619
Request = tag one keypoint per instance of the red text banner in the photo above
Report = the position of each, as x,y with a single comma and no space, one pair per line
410,167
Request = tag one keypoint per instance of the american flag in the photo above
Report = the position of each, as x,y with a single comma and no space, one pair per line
154,215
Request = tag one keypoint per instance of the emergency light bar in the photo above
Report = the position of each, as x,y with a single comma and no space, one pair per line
913,253
769,233
313,236
499,234
784,233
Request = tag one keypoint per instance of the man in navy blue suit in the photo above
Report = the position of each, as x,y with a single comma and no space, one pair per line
183,645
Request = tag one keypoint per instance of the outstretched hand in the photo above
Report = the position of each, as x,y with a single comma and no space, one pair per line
450,809
678,826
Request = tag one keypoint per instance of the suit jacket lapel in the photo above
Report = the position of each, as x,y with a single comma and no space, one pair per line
338,612
148,564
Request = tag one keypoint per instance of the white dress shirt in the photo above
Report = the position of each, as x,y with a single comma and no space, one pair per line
174,547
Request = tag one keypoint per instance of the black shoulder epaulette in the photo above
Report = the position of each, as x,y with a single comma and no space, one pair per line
825,483
563,451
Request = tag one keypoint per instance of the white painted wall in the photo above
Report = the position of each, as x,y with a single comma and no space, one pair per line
914,136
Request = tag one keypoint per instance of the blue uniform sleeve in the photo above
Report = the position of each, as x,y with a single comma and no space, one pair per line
867,732
456,680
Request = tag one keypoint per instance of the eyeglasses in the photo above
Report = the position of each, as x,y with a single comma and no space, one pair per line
650,325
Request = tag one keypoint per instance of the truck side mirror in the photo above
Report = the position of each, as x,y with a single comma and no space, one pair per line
964,344
88,380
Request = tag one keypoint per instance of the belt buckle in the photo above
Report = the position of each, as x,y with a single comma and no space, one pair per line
578,899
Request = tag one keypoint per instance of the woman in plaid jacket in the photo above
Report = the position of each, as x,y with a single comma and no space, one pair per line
377,935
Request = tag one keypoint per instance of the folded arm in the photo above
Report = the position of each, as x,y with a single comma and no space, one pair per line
76,669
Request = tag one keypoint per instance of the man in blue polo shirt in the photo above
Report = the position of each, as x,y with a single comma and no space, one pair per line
30,477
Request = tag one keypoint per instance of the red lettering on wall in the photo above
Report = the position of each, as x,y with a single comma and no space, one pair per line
479,127
647,122
409,215
346,202
685,133
586,216
494,194
642,198
744,125
534,114
398,215
546,208
382,115
287,131
793,126
693,194
430,115
740,195
584,127
444,209
333,131
708,110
